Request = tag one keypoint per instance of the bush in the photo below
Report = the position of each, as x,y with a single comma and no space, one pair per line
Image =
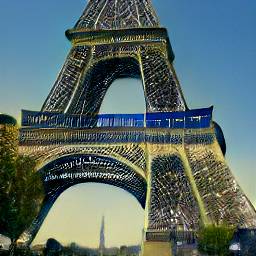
215,240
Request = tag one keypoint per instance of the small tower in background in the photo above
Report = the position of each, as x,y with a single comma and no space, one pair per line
102,237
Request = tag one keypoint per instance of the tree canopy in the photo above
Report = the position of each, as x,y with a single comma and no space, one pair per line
21,189
215,239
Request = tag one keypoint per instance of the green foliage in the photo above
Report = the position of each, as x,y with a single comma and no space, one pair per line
21,190
215,240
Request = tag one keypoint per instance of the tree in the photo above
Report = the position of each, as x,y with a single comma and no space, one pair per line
21,189
215,240
26,194
8,157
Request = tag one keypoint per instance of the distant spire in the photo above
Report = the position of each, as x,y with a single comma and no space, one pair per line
102,237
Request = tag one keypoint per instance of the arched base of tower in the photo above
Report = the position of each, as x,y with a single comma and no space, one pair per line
152,248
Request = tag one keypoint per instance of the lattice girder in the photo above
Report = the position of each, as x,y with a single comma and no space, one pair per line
133,155
172,202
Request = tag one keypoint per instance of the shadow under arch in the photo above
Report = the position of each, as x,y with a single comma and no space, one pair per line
68,171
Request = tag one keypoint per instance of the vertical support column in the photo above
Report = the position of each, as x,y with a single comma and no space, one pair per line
172,209
65,86
154,242
202,211
162,90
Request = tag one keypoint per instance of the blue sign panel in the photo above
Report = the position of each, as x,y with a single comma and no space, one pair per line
191,119
120,120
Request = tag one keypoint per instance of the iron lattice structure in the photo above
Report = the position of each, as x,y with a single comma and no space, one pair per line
171,159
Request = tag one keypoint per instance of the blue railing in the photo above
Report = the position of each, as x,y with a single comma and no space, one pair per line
191,119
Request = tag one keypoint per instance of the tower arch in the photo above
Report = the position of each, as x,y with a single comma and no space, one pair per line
67,171
88,97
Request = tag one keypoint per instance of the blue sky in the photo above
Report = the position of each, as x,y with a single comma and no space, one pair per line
215,47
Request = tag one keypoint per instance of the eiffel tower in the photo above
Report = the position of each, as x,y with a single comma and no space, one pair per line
171,158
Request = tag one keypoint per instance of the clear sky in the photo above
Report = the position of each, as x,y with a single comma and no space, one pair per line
215,47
